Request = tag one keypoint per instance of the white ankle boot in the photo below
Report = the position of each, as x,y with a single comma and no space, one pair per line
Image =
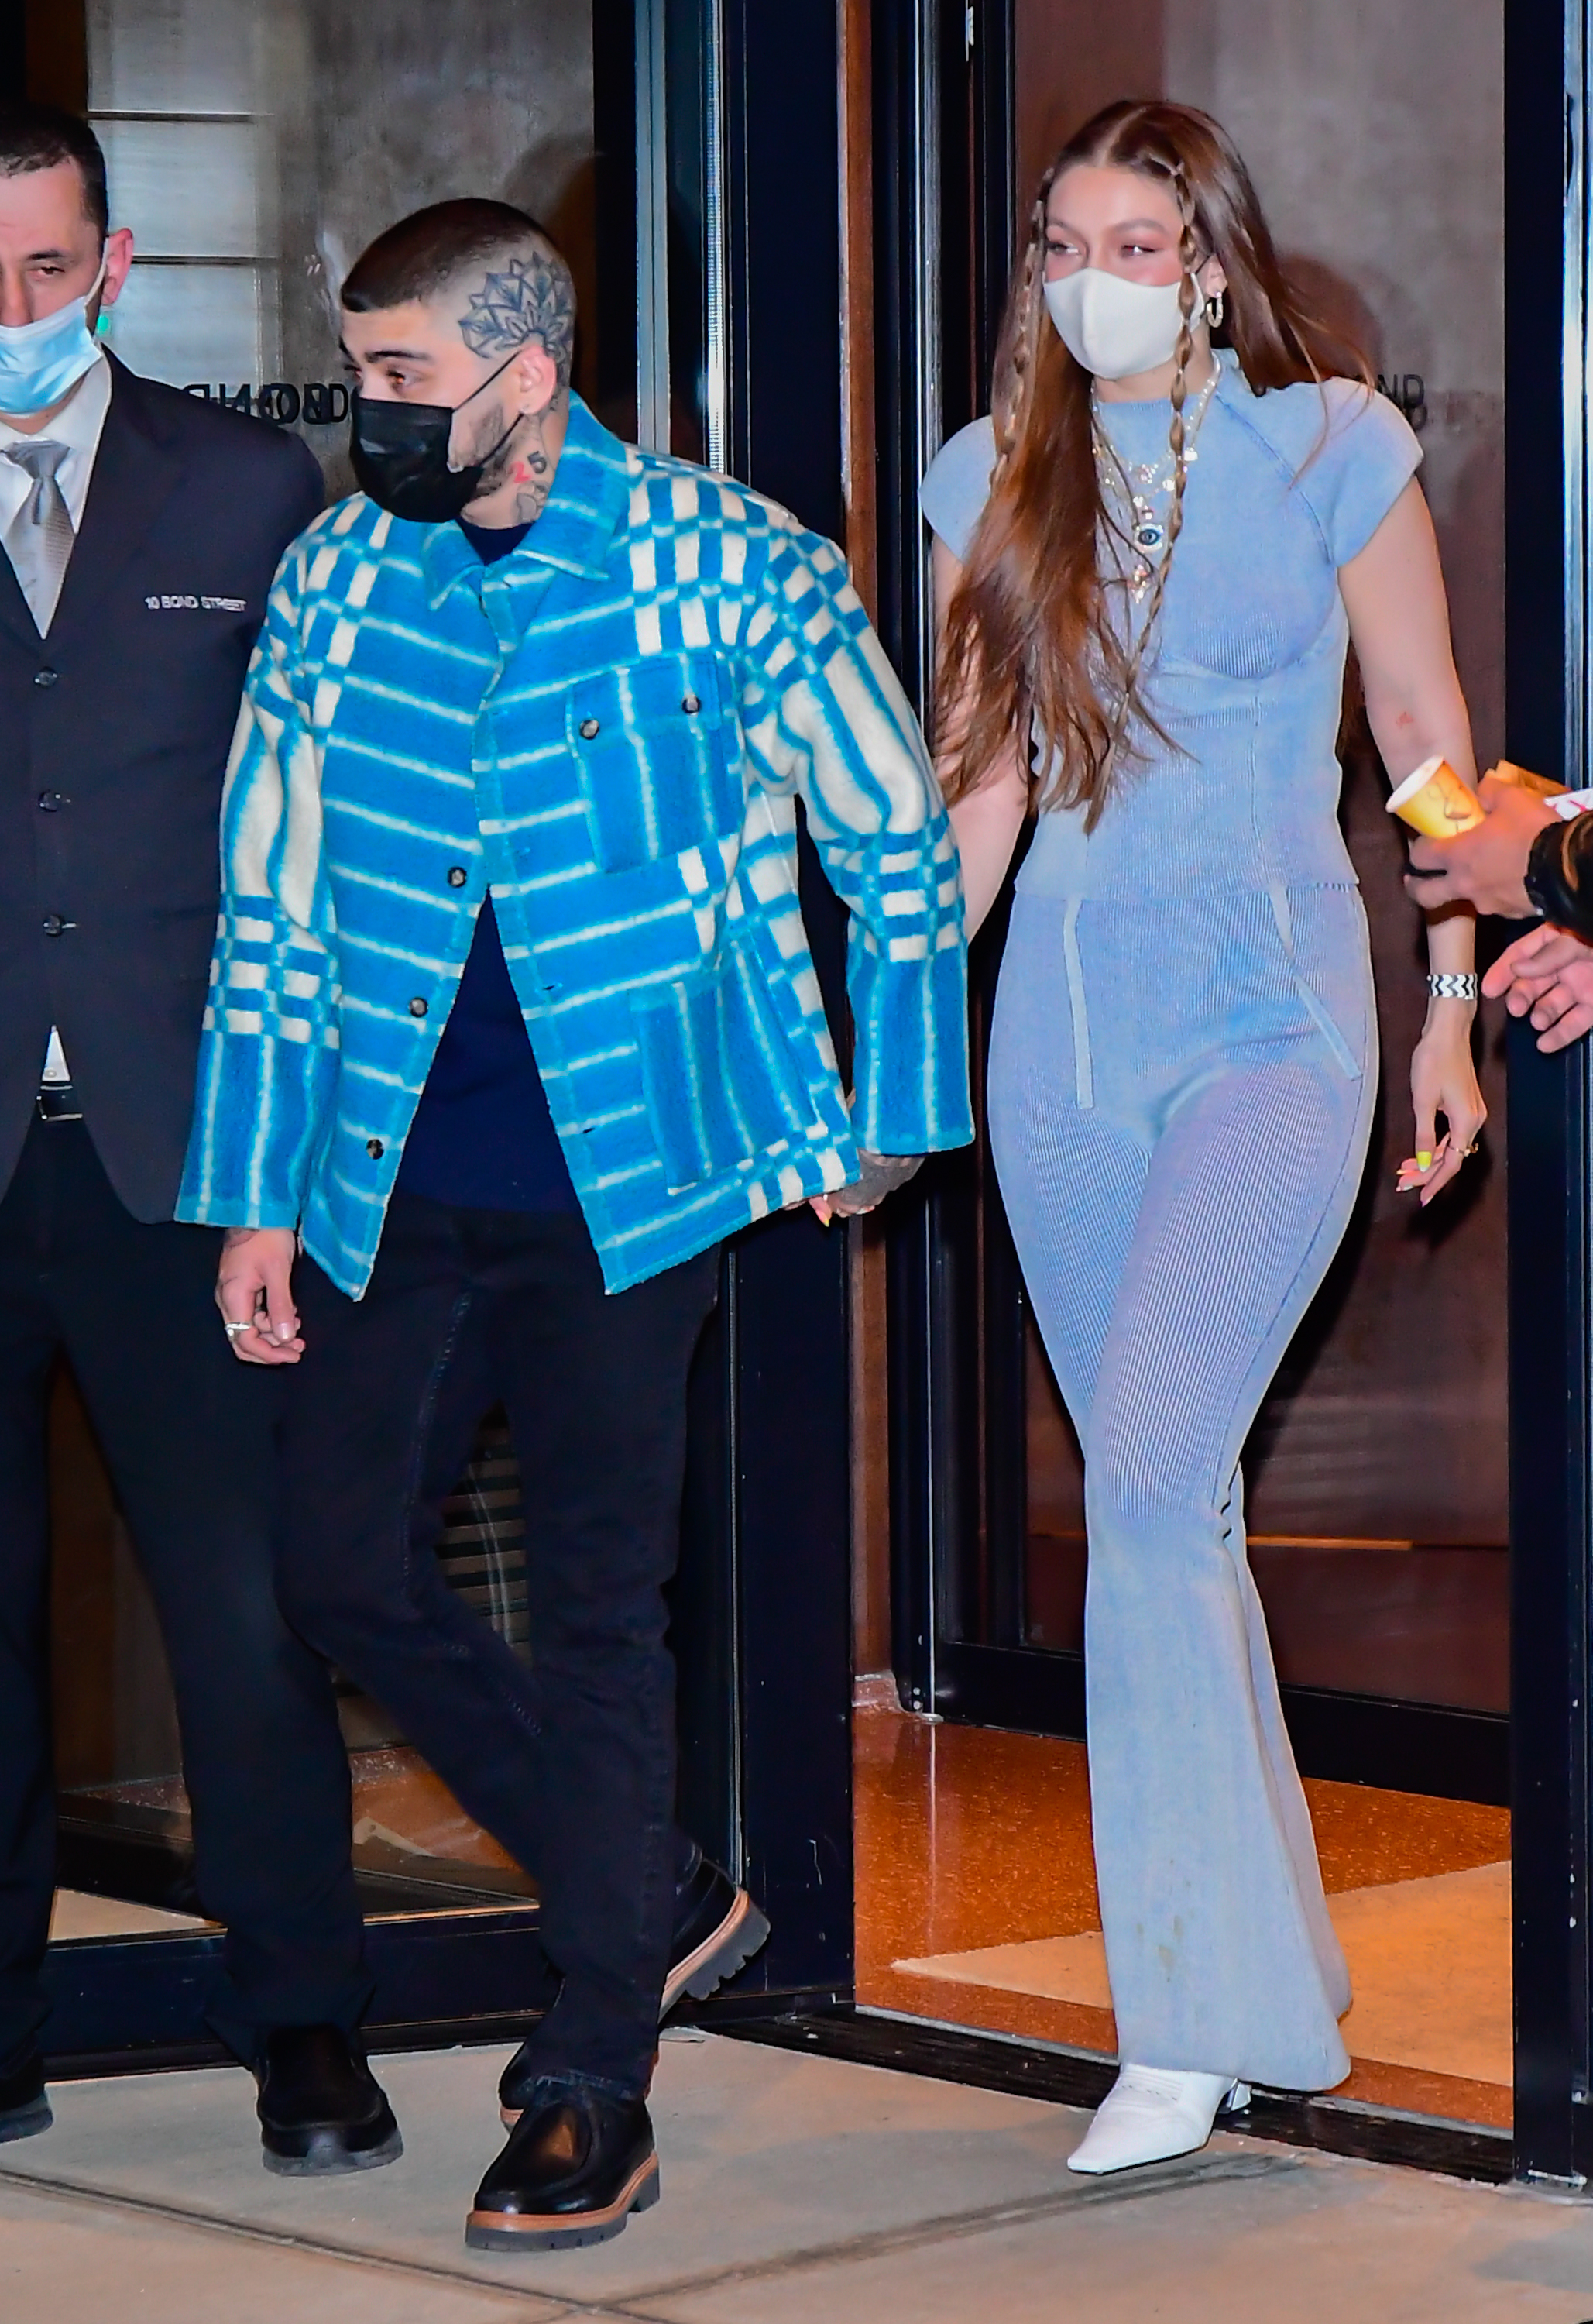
1150,2115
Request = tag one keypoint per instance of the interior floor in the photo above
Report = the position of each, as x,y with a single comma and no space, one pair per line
976,1906
406,1821
76,1916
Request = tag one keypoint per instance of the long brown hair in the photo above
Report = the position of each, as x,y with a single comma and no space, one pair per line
1030,646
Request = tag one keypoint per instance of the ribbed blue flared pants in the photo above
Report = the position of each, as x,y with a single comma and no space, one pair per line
1181,1094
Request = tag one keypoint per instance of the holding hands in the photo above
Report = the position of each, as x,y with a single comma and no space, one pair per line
880,1175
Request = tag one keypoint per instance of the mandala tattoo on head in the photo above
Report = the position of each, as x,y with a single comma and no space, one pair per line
532,298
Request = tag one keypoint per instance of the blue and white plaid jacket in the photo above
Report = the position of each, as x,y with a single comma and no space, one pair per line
608,730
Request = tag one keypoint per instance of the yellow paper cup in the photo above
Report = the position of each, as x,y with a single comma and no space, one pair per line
1434,800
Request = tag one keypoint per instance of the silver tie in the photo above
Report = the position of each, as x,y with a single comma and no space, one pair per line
38,538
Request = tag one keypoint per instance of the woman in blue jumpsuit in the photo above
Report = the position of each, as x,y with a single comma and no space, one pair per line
1183,1063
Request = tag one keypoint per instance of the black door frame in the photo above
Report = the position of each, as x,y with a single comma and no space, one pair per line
957,1454
762,1609
1549,1150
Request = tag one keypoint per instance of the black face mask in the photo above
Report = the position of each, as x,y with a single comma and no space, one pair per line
400,453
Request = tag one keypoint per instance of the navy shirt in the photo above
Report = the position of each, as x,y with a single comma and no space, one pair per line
483,1138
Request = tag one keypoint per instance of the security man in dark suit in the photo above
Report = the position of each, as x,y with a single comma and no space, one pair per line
140,529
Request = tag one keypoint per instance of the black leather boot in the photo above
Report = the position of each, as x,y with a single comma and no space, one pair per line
717,1930
578,2163
321,2108
24,2108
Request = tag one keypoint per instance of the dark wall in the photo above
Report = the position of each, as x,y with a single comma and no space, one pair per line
44,51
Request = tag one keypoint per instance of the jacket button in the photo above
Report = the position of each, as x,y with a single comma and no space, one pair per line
457,875
54,924
588,729
374,1148
50,800
691,706
45,677
416,1007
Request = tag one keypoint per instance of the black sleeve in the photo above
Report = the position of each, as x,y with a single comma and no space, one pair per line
1559,875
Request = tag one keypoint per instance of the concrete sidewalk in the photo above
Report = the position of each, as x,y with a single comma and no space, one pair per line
795,2190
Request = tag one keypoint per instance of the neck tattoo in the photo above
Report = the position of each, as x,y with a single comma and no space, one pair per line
531,470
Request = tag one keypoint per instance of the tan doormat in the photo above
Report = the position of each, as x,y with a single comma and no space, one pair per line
76,1916
1429,1960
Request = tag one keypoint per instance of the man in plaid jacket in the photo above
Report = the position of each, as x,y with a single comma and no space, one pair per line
519,756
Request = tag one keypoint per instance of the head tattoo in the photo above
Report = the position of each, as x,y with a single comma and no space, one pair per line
531,299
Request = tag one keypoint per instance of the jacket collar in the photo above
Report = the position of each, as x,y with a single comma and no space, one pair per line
574,534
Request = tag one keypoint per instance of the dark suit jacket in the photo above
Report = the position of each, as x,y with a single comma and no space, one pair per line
114,737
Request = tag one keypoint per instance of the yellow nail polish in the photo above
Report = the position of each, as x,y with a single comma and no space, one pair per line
1423,1160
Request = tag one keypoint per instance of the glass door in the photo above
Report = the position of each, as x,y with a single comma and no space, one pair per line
1399,1452
254,158
254,155
1376,1478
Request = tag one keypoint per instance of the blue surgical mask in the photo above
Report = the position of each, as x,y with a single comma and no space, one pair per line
41,361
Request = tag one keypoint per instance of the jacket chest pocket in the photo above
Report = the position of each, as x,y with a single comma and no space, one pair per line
659,755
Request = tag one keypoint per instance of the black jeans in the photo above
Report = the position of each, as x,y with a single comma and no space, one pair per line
189,1435
567,1760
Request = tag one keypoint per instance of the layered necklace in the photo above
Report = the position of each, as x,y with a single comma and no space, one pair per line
1140,496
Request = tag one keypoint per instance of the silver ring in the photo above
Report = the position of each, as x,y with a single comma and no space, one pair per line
233,1330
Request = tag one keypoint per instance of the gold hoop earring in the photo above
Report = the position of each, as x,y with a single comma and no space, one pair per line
1216,309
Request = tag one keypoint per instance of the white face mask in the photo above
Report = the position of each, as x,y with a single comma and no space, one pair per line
1117,328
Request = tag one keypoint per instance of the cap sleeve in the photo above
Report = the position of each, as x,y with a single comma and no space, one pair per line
958,484
1369,457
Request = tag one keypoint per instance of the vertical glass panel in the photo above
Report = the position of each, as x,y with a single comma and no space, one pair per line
172,56
1376,1476
191,323
186,187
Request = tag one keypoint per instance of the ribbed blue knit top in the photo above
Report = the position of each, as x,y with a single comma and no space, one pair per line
1246,672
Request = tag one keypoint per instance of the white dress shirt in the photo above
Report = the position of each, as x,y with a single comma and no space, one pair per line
79,425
